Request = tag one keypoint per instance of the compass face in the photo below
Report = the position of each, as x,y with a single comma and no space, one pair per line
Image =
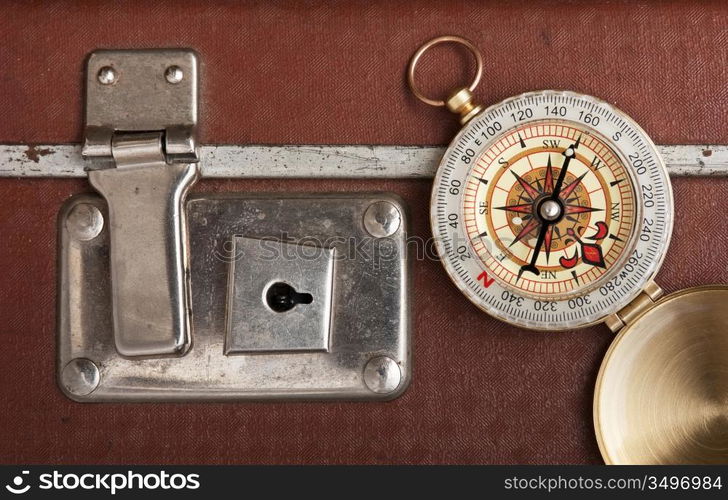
552,210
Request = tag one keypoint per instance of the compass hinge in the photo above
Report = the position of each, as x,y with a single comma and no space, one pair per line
645,300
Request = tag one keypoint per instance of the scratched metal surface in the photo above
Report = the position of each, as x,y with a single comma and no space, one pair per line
318,161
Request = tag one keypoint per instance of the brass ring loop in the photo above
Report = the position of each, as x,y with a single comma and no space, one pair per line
436,41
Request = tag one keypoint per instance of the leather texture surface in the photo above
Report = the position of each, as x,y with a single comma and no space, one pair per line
307,72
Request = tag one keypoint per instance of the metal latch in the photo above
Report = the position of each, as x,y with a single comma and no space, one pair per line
217,297
141,116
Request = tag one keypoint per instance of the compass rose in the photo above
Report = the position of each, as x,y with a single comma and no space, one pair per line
544,204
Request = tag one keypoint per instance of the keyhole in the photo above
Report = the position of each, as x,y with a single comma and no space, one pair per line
282,297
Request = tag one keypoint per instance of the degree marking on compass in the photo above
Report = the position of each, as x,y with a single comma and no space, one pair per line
622,188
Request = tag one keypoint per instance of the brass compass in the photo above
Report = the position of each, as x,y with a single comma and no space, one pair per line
553,210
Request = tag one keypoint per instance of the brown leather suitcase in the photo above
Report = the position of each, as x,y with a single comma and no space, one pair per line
333,73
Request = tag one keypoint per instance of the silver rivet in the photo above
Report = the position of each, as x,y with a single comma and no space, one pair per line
550,210
382,219
382,375
80,376
84,222
107,75
174,74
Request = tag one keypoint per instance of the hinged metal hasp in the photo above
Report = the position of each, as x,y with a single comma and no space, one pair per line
142,91
141,117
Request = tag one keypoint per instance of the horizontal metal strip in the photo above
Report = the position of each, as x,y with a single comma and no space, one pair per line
318,161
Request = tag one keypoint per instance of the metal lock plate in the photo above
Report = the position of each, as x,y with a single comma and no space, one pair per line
352,341
293,282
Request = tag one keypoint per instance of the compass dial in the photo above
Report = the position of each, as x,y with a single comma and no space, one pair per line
551,210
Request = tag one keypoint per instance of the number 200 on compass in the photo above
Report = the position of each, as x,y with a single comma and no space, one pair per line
551,210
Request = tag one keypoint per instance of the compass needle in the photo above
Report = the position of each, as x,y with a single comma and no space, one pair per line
549,206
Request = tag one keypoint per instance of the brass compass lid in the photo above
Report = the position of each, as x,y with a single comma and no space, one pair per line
661,396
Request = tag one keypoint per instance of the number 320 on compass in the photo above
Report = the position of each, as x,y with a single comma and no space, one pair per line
551,209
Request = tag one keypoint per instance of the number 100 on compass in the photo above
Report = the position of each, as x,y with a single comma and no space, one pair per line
551,210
